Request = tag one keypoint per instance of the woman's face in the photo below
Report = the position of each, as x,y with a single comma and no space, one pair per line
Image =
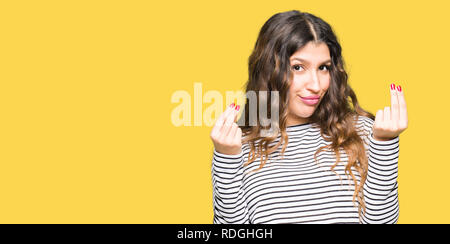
310,80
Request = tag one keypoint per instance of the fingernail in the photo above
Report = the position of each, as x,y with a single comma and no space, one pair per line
232,105
399,88
392,86
238,107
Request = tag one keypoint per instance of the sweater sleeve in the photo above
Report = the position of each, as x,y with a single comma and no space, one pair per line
380,188
228,195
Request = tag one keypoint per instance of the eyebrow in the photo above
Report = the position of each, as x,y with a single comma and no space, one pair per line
305,61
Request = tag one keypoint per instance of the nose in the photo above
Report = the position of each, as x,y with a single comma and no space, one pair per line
314,83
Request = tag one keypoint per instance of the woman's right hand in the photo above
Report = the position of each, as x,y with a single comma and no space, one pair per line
226,134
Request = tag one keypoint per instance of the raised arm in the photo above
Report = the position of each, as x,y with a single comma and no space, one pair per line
227,170
381,187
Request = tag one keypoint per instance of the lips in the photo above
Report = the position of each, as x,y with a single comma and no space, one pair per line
311,97
310,100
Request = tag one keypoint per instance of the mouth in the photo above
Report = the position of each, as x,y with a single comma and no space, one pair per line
310,100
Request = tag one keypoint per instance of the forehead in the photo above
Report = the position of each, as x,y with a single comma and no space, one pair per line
312,52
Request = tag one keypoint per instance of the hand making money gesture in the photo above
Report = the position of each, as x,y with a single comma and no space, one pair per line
393,120
226,134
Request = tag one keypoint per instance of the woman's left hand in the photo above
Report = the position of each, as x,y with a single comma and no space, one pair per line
391,121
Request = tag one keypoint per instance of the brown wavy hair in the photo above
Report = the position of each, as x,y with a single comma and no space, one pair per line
269,70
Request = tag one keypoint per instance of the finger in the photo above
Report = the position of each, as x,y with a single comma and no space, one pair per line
394,104
238,134
229,120
403,114
232,132
387,115
221,120
379,118
237,113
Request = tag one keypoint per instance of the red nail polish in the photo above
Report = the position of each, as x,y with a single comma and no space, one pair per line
238,107
399,88
392,86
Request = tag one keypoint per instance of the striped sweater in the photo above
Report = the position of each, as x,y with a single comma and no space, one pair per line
296,189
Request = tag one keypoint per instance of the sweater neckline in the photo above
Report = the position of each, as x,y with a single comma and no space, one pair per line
298,127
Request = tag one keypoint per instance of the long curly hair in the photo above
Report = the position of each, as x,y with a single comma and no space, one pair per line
269,70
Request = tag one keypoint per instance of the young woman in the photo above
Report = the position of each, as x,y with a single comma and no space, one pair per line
331,161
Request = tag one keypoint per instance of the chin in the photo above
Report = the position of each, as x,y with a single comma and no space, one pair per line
302,111
304,115
306,112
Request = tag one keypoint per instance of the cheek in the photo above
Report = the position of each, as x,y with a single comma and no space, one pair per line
297,84
292,92
292,98
325,85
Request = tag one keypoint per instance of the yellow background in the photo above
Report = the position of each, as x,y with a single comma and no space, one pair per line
85,89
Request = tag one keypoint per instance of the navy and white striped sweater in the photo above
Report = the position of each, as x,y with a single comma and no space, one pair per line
296,189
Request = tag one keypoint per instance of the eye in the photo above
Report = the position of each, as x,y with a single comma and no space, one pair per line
326,66
296,67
